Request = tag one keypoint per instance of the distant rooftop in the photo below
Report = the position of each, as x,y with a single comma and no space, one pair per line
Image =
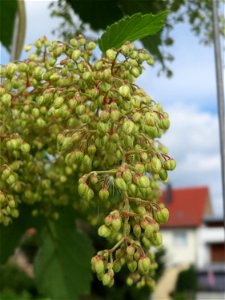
187,206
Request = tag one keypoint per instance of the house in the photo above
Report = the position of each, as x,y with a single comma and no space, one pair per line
187,207
192,236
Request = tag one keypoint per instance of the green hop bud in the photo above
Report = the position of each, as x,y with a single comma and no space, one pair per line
149,119
130,250
117,266
91,149
89,194
80,109
140,168
132,266
91,45
111,54
76,54
156,239
11,179
99,266
132,189
106,279
116,224
22,67
51,61
143,182
27,48
164,124
163,174
15,213
66,143
104,194
98,65
87,75
87,161
137,230
6,99
170,164
6,173
11,69
25,148
128,127
144,264
58,102
103,127
124,91
148,231
38,71
129,281
135,72
104,231
74,43
137,255
35,112
137,117
82,189
54,77
162,215
115,115
121,184
156,164
127,176
41,123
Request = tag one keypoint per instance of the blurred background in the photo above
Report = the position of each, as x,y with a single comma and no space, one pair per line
183,80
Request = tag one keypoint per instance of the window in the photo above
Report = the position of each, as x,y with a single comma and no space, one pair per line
180,238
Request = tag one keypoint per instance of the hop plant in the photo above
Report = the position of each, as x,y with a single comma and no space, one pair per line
70,122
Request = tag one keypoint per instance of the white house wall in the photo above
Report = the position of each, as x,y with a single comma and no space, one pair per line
178,253
196,250
206,236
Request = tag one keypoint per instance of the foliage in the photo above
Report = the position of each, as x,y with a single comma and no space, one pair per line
58,263
78,135
186,284
16,281
100,14
142,25
187,280
8,13
13,22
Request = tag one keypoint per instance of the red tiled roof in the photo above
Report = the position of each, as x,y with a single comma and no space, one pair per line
187,206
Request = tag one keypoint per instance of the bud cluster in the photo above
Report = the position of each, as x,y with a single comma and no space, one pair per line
70,123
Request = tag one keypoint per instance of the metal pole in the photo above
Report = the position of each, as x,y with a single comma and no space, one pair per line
220,93
18,31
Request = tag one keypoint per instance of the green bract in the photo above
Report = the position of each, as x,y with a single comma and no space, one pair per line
73,131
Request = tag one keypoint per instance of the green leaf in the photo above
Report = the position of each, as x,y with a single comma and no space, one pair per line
8,12
62,267
11,235
131,28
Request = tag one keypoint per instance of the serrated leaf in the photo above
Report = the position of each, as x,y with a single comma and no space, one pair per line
131,28
62,266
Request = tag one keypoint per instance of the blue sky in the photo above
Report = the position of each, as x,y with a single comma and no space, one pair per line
189,97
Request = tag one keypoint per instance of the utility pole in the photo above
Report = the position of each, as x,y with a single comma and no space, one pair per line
220,93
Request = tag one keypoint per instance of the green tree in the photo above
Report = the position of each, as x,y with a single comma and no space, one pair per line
101,13
79,136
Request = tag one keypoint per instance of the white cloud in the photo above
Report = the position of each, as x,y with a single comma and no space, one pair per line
193,140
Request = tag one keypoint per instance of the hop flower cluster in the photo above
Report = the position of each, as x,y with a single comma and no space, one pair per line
67,116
